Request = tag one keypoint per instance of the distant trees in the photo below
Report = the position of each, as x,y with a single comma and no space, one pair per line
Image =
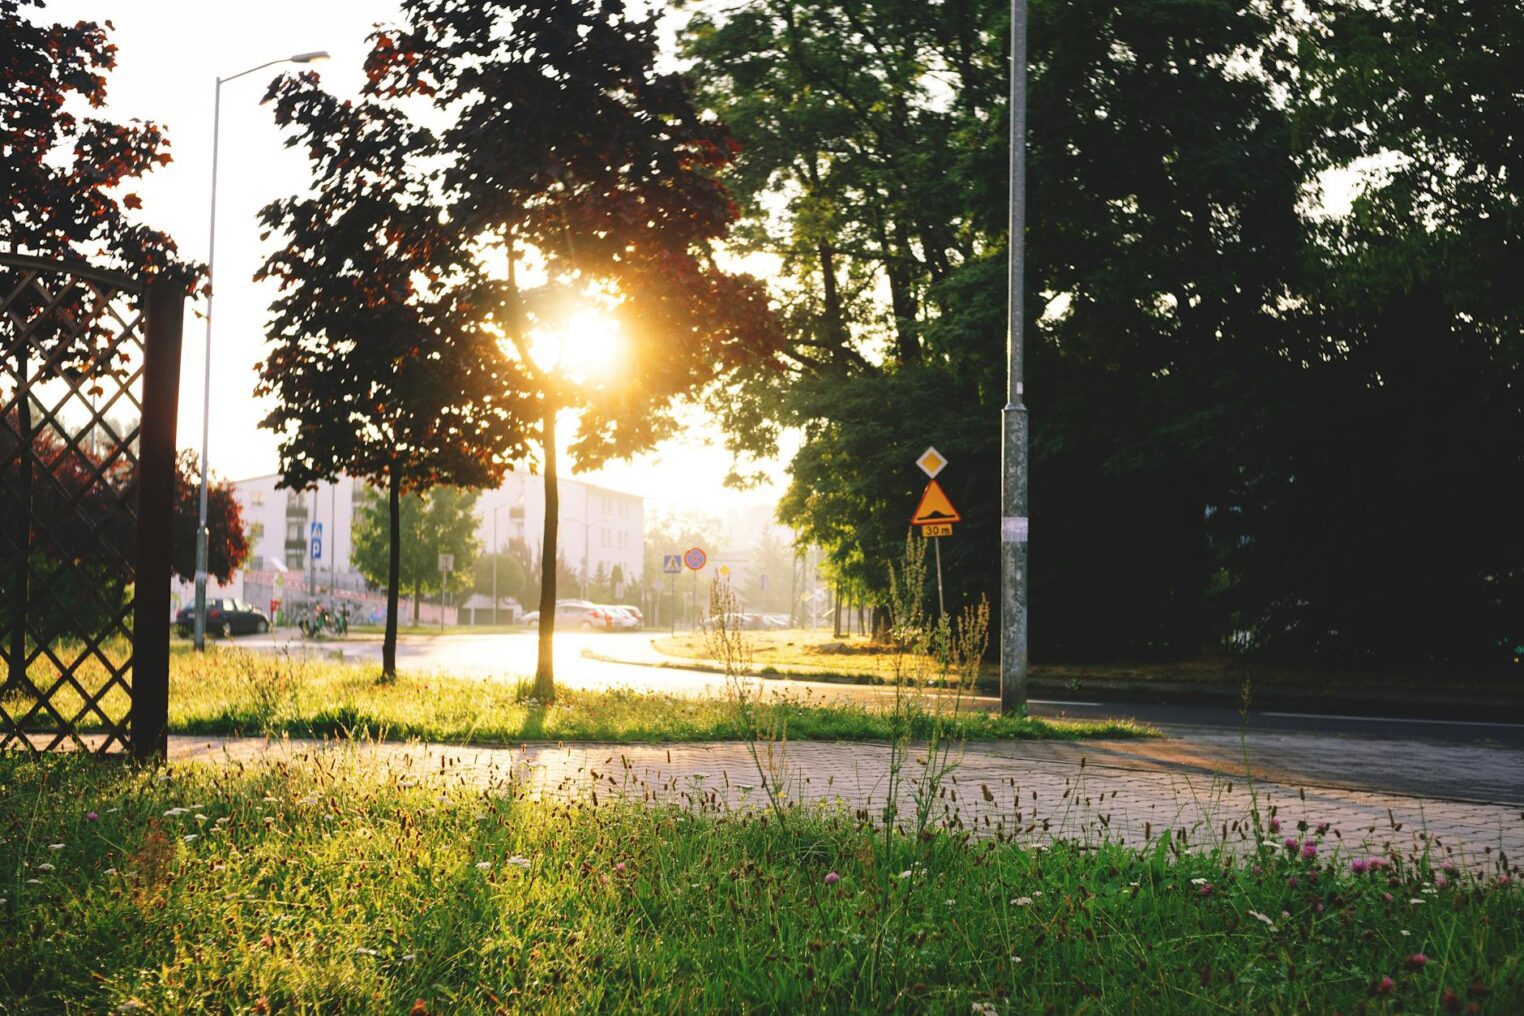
443,521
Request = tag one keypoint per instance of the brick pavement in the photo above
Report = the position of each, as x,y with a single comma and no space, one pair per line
1130,792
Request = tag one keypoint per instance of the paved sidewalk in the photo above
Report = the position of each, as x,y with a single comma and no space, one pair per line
1130,792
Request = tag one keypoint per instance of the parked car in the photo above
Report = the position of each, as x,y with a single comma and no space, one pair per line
532,618
226,618
582,614
622,618
633,611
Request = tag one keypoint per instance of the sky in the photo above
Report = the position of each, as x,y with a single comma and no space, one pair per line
169,56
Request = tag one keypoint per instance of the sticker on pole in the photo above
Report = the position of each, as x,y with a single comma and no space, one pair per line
931,462
671,564
934,508
695,558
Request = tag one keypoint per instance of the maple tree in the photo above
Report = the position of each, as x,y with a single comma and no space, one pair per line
569,158
377,368
227,543
62,174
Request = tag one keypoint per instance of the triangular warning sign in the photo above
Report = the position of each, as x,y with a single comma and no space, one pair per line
934,507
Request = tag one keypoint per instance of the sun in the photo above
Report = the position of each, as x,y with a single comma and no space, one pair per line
588,346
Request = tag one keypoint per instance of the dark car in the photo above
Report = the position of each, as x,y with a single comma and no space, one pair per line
225,618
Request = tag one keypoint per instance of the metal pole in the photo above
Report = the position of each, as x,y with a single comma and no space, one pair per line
1013,476
202,534
672,606
941,607
333,546
494,566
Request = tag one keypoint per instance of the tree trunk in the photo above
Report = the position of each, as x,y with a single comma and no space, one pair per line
393,573
545,668
836,610
16,678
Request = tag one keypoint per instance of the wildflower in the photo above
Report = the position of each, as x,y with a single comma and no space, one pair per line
832,878
1404,932
1262,918
1417,961
1385,986
409,956
1415,900
44,867
1198,881
1440,882
984,1009
483,865
1387,897
519,862
948,903
269,819
1322,828
1275,825
91,816
1317,908
109,871
1015,959
362,951
1022,901
904,875
189,837
55,846
1309,850
1291,843
1206,890
619,868
1358,866
34,881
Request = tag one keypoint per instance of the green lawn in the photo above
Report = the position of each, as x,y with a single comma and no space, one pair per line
238,692
320,884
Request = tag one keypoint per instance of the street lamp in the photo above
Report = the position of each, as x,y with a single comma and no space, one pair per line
202,534
1013,472
587,534
496,551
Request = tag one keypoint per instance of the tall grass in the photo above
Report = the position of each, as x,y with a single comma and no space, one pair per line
322,884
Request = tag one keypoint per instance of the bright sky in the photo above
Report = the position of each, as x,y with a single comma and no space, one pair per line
170,53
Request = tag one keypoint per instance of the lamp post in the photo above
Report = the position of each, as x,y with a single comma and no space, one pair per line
1013,473
202,534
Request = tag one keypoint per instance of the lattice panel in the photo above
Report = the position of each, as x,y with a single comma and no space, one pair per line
72,353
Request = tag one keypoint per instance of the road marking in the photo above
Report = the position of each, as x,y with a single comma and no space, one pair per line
1393,719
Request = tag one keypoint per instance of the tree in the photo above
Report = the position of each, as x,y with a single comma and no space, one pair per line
378,371
1159,279
228,543
61,175
570,156
511,573
440,522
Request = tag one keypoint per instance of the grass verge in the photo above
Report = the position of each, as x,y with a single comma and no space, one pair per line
243,693
323,884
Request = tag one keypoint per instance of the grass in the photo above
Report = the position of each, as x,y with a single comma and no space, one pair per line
241,693
819,655
322,883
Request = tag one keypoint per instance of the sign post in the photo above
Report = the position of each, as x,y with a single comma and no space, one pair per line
446,566
935,514
672,564
694,559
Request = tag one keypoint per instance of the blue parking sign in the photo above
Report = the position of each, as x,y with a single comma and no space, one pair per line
316,530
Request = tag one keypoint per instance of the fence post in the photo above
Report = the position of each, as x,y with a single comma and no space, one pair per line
156,505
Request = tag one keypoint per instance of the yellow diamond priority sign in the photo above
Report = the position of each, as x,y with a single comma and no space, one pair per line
931,462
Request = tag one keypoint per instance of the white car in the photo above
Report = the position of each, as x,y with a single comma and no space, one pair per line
623,618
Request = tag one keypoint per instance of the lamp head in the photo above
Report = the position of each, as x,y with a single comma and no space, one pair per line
312,57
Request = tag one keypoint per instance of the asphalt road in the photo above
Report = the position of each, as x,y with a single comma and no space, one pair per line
1462,760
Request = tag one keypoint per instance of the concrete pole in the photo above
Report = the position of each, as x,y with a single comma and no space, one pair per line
1013,474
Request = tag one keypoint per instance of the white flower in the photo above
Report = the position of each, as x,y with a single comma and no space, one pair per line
112,811
269,799
1198,881
984,1009
1404,933
362,951
1431,891
34,881
189,837
1015,959
408,956
1415,901
1022,901
55,846
109,871
1037,893
904,874
2,901
1261,917
222,821
44,867
483,865
519,862
171,813
269,819
948,903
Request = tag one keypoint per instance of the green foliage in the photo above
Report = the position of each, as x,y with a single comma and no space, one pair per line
321,882
443,521
1240,406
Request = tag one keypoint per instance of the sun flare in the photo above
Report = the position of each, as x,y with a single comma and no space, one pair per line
589,346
